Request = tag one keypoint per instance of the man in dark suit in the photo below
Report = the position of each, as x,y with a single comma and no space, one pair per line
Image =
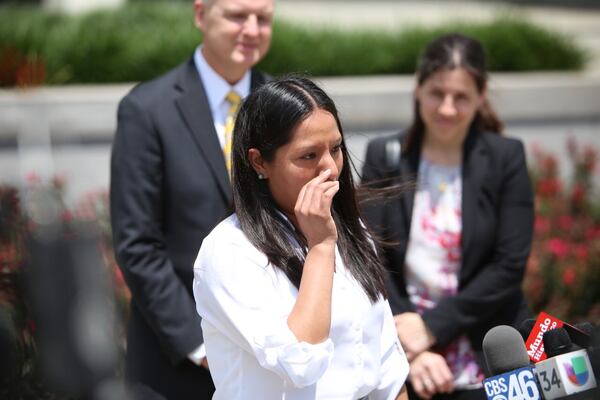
170,187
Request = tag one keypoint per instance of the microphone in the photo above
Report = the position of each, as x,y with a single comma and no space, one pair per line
545,323
507,360
557,342
526,327
567,371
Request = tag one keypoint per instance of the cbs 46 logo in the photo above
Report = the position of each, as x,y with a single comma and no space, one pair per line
519,385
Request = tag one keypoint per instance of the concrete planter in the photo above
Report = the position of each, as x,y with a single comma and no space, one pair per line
68,130
75,113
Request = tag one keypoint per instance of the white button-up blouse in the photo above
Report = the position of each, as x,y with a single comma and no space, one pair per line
244,303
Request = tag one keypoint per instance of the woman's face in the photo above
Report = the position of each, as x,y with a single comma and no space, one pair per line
315,146
448,102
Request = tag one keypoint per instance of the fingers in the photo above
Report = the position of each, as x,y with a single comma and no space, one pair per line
328,193
318,196
311,196
429,388
313,209
442,377
420,388
323,175
430,374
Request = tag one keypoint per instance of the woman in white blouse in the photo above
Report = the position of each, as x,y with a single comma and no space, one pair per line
289,288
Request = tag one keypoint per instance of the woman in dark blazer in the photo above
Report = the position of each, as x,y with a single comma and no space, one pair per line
461,237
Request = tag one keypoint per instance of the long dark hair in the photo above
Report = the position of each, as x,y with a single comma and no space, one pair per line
452,51
266,121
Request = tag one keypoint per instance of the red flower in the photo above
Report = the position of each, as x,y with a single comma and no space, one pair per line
581,253
558,248
542,225
592,233
569,276
550,165
549,187
578,195
565,222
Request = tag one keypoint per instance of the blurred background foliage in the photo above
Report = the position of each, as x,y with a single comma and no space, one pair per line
563,272
142,40
23,378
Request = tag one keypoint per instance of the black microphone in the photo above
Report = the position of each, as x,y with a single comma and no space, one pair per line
526,327
507,360
567,371
557,342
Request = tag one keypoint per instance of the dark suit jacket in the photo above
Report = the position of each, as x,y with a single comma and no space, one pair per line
497,220
169,188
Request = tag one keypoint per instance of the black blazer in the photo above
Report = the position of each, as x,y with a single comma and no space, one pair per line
169,188
497,229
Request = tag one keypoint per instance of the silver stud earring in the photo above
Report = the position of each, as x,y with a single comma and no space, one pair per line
261,176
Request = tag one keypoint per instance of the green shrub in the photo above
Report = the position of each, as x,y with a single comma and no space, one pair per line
141,41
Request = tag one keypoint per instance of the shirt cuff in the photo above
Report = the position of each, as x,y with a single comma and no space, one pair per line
301,363
198,354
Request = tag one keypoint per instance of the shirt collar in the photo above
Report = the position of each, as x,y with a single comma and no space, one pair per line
216,87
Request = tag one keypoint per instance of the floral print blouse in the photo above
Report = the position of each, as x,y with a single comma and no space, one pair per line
433,257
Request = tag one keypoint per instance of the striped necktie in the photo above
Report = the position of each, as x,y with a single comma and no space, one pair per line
234,100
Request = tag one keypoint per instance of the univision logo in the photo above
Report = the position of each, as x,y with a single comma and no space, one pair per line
577,371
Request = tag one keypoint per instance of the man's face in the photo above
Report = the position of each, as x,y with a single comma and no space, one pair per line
237,34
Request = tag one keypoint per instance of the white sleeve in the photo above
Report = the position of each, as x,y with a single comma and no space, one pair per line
235,290
394,364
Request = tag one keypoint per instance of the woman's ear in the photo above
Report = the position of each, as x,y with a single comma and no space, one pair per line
257,162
